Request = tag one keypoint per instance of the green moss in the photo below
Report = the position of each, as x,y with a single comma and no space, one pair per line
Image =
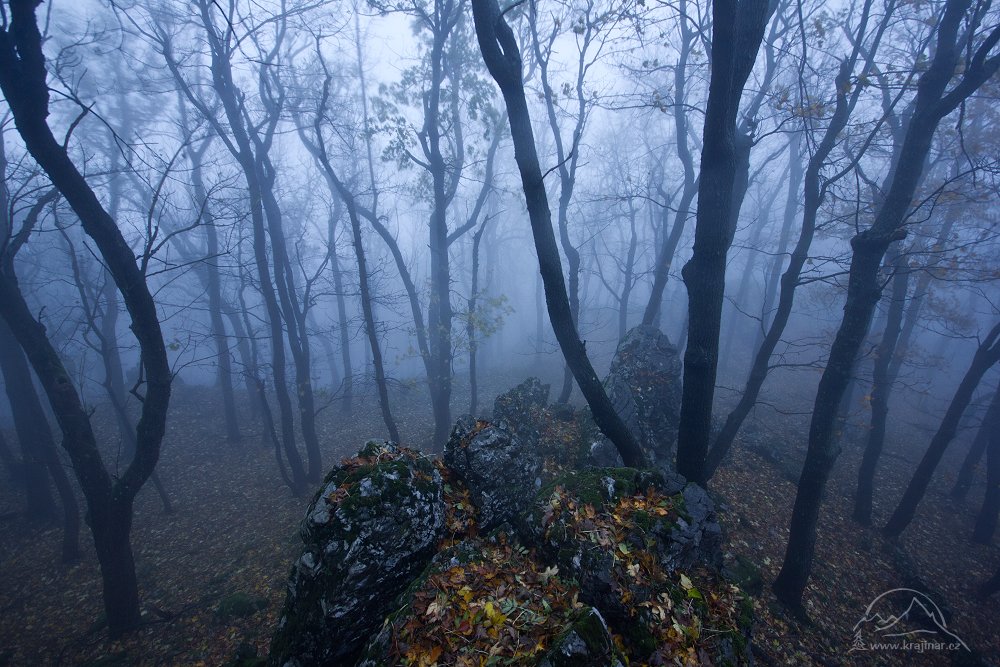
591,486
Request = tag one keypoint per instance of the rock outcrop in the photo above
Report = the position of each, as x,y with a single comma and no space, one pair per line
499,471
644,385
409,562
371,529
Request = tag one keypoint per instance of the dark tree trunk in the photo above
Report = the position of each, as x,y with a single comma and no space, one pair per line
737,32
23,83
813,198
986,522
503,59
10,462
882,383
986,356
31,427
967,472
864,290
37,443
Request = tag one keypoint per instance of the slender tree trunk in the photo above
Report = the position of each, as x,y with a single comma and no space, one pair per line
986,356
317,148
792,201
669,242
737,32
37,443
503,59
986,522
213,285
967,472
881,389
342,322
473,316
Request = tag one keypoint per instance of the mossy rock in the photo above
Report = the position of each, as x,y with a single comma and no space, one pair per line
370,530
239,605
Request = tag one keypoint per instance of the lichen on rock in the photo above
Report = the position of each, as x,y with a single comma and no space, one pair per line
372,527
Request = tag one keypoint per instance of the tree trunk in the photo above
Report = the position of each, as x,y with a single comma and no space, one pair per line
317,148
213,285
342,322
967,472
669,242
37,443
986,356
503,59
31,428
473,318
864,290
23,83
986,522
882,383
737,32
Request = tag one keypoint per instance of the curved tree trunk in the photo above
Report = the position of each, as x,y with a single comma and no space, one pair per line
503,59
23,82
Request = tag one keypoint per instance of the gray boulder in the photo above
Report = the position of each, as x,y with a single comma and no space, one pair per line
370,531
495,465
522,408
644,385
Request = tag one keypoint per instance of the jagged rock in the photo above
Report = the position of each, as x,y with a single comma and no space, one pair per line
677,531
697,536
587,642
500,472
521,407
644,385
369,532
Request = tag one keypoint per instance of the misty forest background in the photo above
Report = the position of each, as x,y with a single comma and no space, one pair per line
238,239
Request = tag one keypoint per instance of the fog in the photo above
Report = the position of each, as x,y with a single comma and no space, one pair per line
238,240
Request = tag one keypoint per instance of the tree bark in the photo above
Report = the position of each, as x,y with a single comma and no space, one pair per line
737,32
967,472
881,388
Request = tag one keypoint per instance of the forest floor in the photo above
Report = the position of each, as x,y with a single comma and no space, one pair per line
234,533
